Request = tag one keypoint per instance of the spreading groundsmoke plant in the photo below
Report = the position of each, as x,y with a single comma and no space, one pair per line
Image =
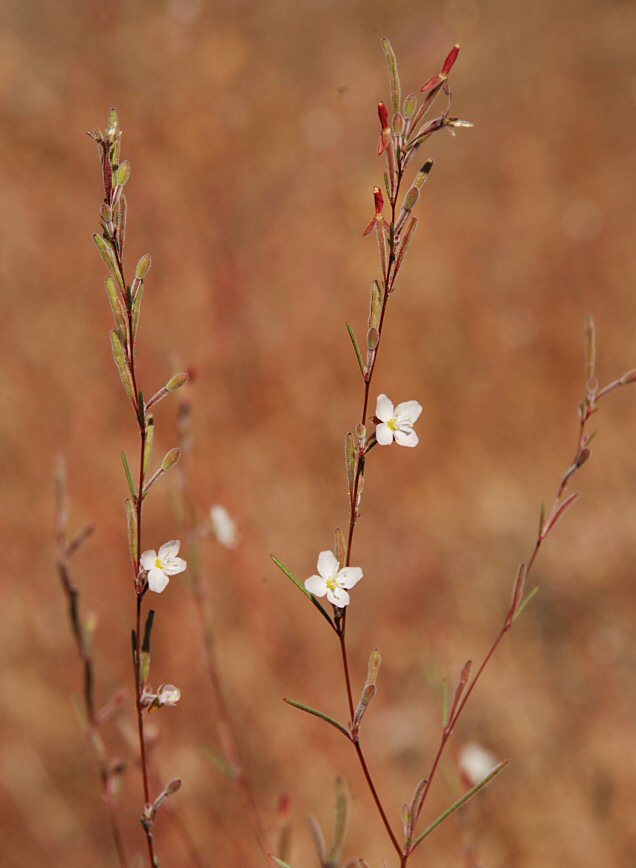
383,420
404,127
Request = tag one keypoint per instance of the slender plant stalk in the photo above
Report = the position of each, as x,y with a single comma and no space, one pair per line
401,135
109,771
228,735
125,299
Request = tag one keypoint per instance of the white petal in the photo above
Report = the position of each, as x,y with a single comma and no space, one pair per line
223,526
147,560
383,434
172,566
407,437
349,576
408,412
316,586
327,565
339,597
157,580
384,408
169,549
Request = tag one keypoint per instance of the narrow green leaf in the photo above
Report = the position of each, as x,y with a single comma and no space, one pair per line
219,762
129,479
356,348
350,464
281,566
150,436
117,307
145,647
391,62
445,703
136,310
319,714
318,838
462,801
342,814
108,255
590,352
121,361
279,862
120,222
131,517
524,603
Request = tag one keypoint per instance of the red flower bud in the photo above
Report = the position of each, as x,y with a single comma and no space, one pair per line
383,114
450,60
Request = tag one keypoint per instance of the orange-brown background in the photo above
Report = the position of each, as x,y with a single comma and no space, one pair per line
251,129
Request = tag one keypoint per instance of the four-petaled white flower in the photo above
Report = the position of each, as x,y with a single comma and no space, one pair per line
223,526
396,423
163,565
332,580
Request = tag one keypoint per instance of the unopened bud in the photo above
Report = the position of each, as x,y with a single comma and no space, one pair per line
176,381
170,459
143,266
383,114
123,173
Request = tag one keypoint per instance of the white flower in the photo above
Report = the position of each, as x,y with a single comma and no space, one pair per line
396,423
475,762
163,565
168,694
223,526
332,580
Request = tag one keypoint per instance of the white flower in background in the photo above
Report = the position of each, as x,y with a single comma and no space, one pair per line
223,526
168,694
396,423
332,580
475,762
163,565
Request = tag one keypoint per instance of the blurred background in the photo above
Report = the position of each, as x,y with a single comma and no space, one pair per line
252,130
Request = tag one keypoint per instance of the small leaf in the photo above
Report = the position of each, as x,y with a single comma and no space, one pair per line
394,78
590,353
150,436
318,838
281,566
129,479
356,348
375,305
145,648
320,714
462,801
525,602
339,548
445,703
136,310
117,306
108,255
120,222
369,689
122,176
143,266
342,815
410,106
219,762
131,517
279,862
350,463
121,361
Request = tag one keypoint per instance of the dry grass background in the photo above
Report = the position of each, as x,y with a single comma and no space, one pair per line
251,130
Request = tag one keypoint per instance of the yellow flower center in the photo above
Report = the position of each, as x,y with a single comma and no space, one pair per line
392,423
159,564
332,584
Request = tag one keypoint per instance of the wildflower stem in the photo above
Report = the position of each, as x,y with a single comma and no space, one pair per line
586,410
113,194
